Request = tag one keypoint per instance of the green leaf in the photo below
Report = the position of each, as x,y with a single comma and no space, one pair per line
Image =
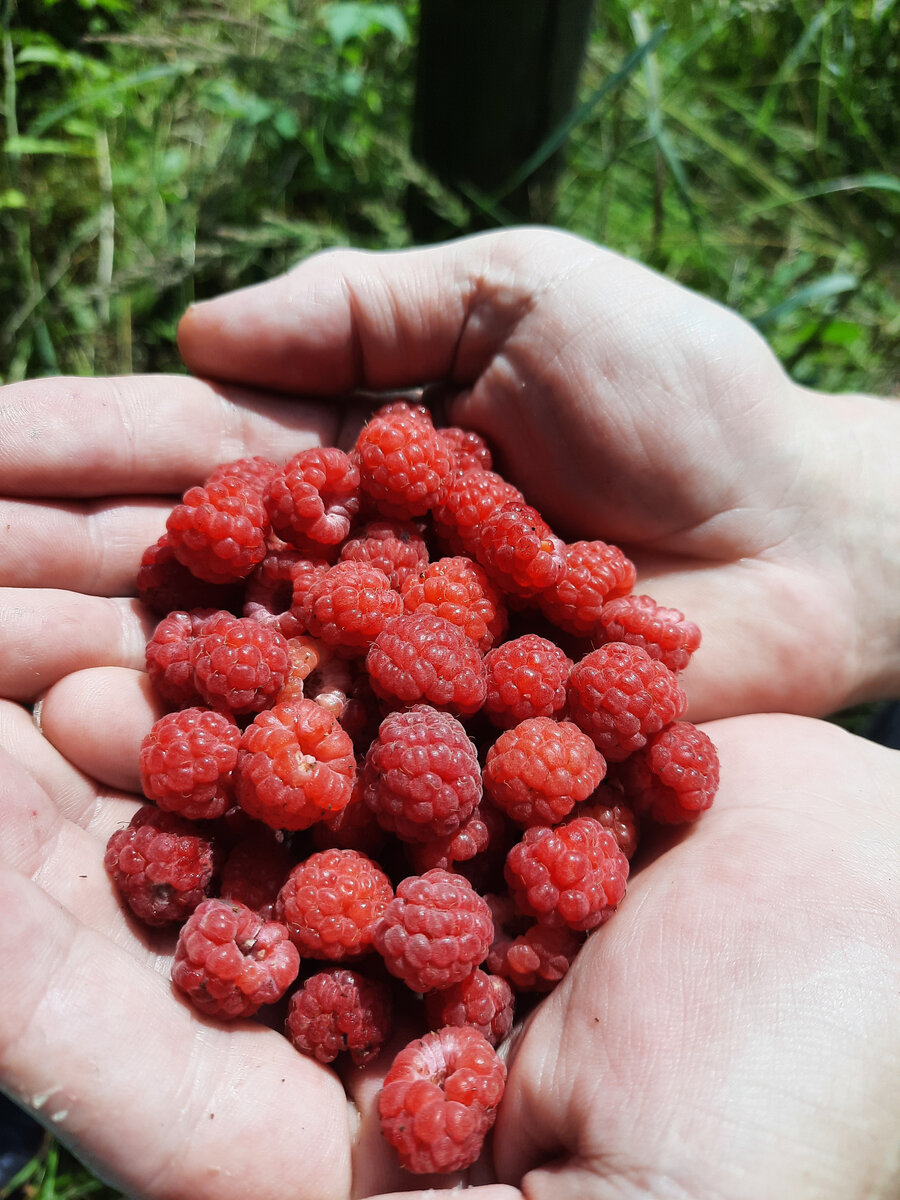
129,82
819,289
33,145
355,20
13,198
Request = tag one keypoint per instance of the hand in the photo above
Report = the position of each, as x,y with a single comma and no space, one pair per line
634,411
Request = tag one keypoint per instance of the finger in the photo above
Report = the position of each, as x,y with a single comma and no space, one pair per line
142,433
97,720
50,633
347,319
163,1102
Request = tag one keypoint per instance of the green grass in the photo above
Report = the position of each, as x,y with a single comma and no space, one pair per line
158,152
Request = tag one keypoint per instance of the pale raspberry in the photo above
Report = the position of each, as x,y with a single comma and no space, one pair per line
332,903
526,677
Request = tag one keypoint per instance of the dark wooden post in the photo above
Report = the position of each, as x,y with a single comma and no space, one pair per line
494,79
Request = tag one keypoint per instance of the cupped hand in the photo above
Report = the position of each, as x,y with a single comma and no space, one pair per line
631,410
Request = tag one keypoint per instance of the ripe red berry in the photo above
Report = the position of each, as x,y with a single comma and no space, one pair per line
313,499
421,657
349,606
665,633
459,590
395,547
608,806
219,531
165,584
337,1011
168,657
483,1001
519,550
594,573
187,762
239,665
255,471
468,501
674,778
526,677
332,903
536,960
403,465
470,449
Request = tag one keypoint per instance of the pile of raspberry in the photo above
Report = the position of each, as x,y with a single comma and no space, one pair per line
410,737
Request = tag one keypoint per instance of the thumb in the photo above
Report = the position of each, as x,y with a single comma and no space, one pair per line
351,319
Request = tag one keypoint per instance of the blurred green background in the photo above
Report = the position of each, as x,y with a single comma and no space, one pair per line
156,152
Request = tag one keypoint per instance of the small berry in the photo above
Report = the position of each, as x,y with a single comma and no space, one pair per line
594,573
664,633
403,465
269,595
469,500
459,590
219,531
421,657
435,931
536,960
483,1001
526,677
472,837
239,665
470,449
168,657
230,962
164,584
255,471
440,1098
395,547
608,806
313,499
519,551
187,762
255,870
675,777
332,902
339,1011
349,606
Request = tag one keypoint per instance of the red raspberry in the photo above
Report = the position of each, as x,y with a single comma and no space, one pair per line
472,837
169,656
526,677
395,547
219,531
332,903
435,931
539,770
269,595
440,1098
354,827
485,1002
255,871
619,695
339,1010
422,657
459,590
187,761
573,875
305,654
314,498
349,606
595,572
422,778
519,550
230,962
664,633
469,447
295,766
239,665
469,500
405,408
403,465
161,864
255,471
675,777
607,805
537,959
164,584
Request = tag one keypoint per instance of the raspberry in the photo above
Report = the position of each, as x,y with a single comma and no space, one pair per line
595,572
469,448
440,1098
664,633
239,665
161,864
230,962
573,875
405,408
339,1010
526,677
255,471
423,657
304,654
313,499
422,778
519,551
269,595
537,959
165,584
187,761
435,931
472,837
539,770
395,547
354,827
332,903
459,590
295,766
254,871
483,1001
619,695
468,501
169,657
349,606
403,465
607,805
675,777
219,531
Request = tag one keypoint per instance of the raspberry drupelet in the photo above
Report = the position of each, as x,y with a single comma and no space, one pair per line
239,665
338,1011
314,498
295,766
440,1098
483,1001
161,864
526,677
349,606
230,962
665,633
471,838
572,875
539,770
594,573
422,778
421,657
435,931
219,531
332,903
187,762
460,591
404,466
674,778
519,551
619,696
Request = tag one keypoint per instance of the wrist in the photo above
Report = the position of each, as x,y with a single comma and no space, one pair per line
854,496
